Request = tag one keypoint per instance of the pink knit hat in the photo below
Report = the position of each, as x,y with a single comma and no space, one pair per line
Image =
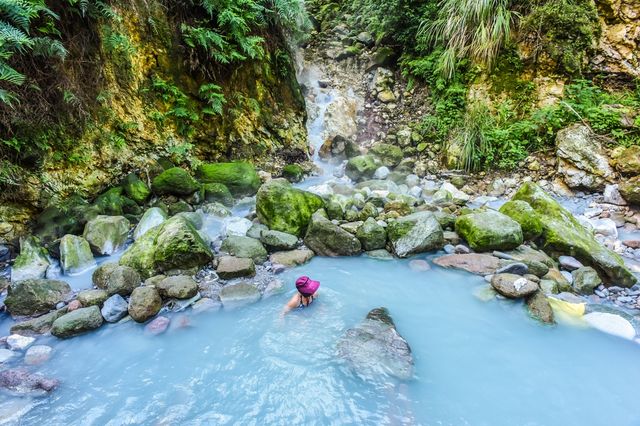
307,286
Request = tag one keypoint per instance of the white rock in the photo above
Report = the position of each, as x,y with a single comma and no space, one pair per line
6,355
585,222
236,226
37,354
459,197
412,180
381,173
150,219
612,196
321,190
415,191
484,199
17,342
611,323
605,227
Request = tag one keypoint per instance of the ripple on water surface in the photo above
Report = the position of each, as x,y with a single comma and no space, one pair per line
477,363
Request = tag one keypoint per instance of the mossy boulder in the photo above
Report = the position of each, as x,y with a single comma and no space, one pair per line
240,177
33,261
362,167
279,240
284,208
563,235
92,297
113,203
75,255
389,155
68,217
416,233
489,230
120,280
522,213
327,239
135,188
217,192
174,181
630,190
77,322
372,236
539,308
245,247
627,160
106,234
38,325
293,172
32,297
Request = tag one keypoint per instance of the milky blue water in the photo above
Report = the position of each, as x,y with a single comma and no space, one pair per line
476,363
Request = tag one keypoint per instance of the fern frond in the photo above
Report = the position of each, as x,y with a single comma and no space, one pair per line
14,38
47,47
10,75
7,97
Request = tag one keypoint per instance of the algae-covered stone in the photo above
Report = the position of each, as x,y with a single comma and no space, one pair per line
563,234
75,255
585,280
92,297
145,302
284,208
361,167
150,219
279,240
389,155
416,233
630,190
244,247
489,230
135,188
140,256
327,239
32,297
122,280
106,234
179,246
39,325
230,267
33,261
293,172
113,203
627,160
100,276
77,322
540,308
240,177
178,287
217,192
372,235
523,213
174,181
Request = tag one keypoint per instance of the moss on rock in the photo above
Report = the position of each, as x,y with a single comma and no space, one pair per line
240,177
135,188
174,181
490,230
389,155
293,172
217,192
528,219
31,297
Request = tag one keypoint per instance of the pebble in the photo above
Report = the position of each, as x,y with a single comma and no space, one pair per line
462,249
570,263
17,342
514,268
37,354
419,265
449,249
73,305
157,326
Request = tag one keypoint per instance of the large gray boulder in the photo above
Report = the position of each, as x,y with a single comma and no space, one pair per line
77,322
114,309
246,247
32,262
489,230
106,234
582,161
375,348
328,239
292,257
33,297
415,233
116,279
75,255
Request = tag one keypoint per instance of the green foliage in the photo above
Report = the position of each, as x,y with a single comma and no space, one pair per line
565,31
212,95
177,103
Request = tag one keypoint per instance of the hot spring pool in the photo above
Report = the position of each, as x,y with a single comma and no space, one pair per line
476,363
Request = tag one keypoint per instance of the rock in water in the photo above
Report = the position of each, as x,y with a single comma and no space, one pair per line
240,177
540,308
245,247
33,261
114,309
19,380
513,286
284,208
77,322
145,302
39,325
157,326
16,342
279,240
489,230
523,213
75,255
375,348
234,295
118,280
292,258
230,267
106,234
372,235
585,280
92,297
476,263
37,354
563,234
178,287
32,297
582,160
416,233
327,239
150,219
611,323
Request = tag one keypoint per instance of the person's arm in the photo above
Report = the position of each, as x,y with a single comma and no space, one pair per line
291,304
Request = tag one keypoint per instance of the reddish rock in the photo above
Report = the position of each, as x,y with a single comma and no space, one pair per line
634,244
158,326
73,305
476,263
21,381
419,265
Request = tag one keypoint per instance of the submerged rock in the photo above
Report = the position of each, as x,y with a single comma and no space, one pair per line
375,348
540,308
611,324
145,302
284,208
416,233
157,326
37,354
240,177
106,234
239,294
75,255
489,230
150,219
32,262
292,257
21,381
563,234
328,239
32,297
77,322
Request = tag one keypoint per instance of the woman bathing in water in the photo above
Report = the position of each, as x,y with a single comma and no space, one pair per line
307,293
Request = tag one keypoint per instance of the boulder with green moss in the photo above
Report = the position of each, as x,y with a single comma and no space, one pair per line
416,233
77,322
362,167
106,234
135,188
150,219
113,203
284,208
372,235
244,247
489,230
75,255
293,173
33,261
562,234
68,217
240,177
217,192
630,190
522,213
328,239
627,160
389,155
174,181
32,297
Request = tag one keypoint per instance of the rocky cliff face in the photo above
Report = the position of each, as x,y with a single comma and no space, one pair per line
619,47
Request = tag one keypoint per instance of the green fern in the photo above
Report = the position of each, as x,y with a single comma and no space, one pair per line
213,96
